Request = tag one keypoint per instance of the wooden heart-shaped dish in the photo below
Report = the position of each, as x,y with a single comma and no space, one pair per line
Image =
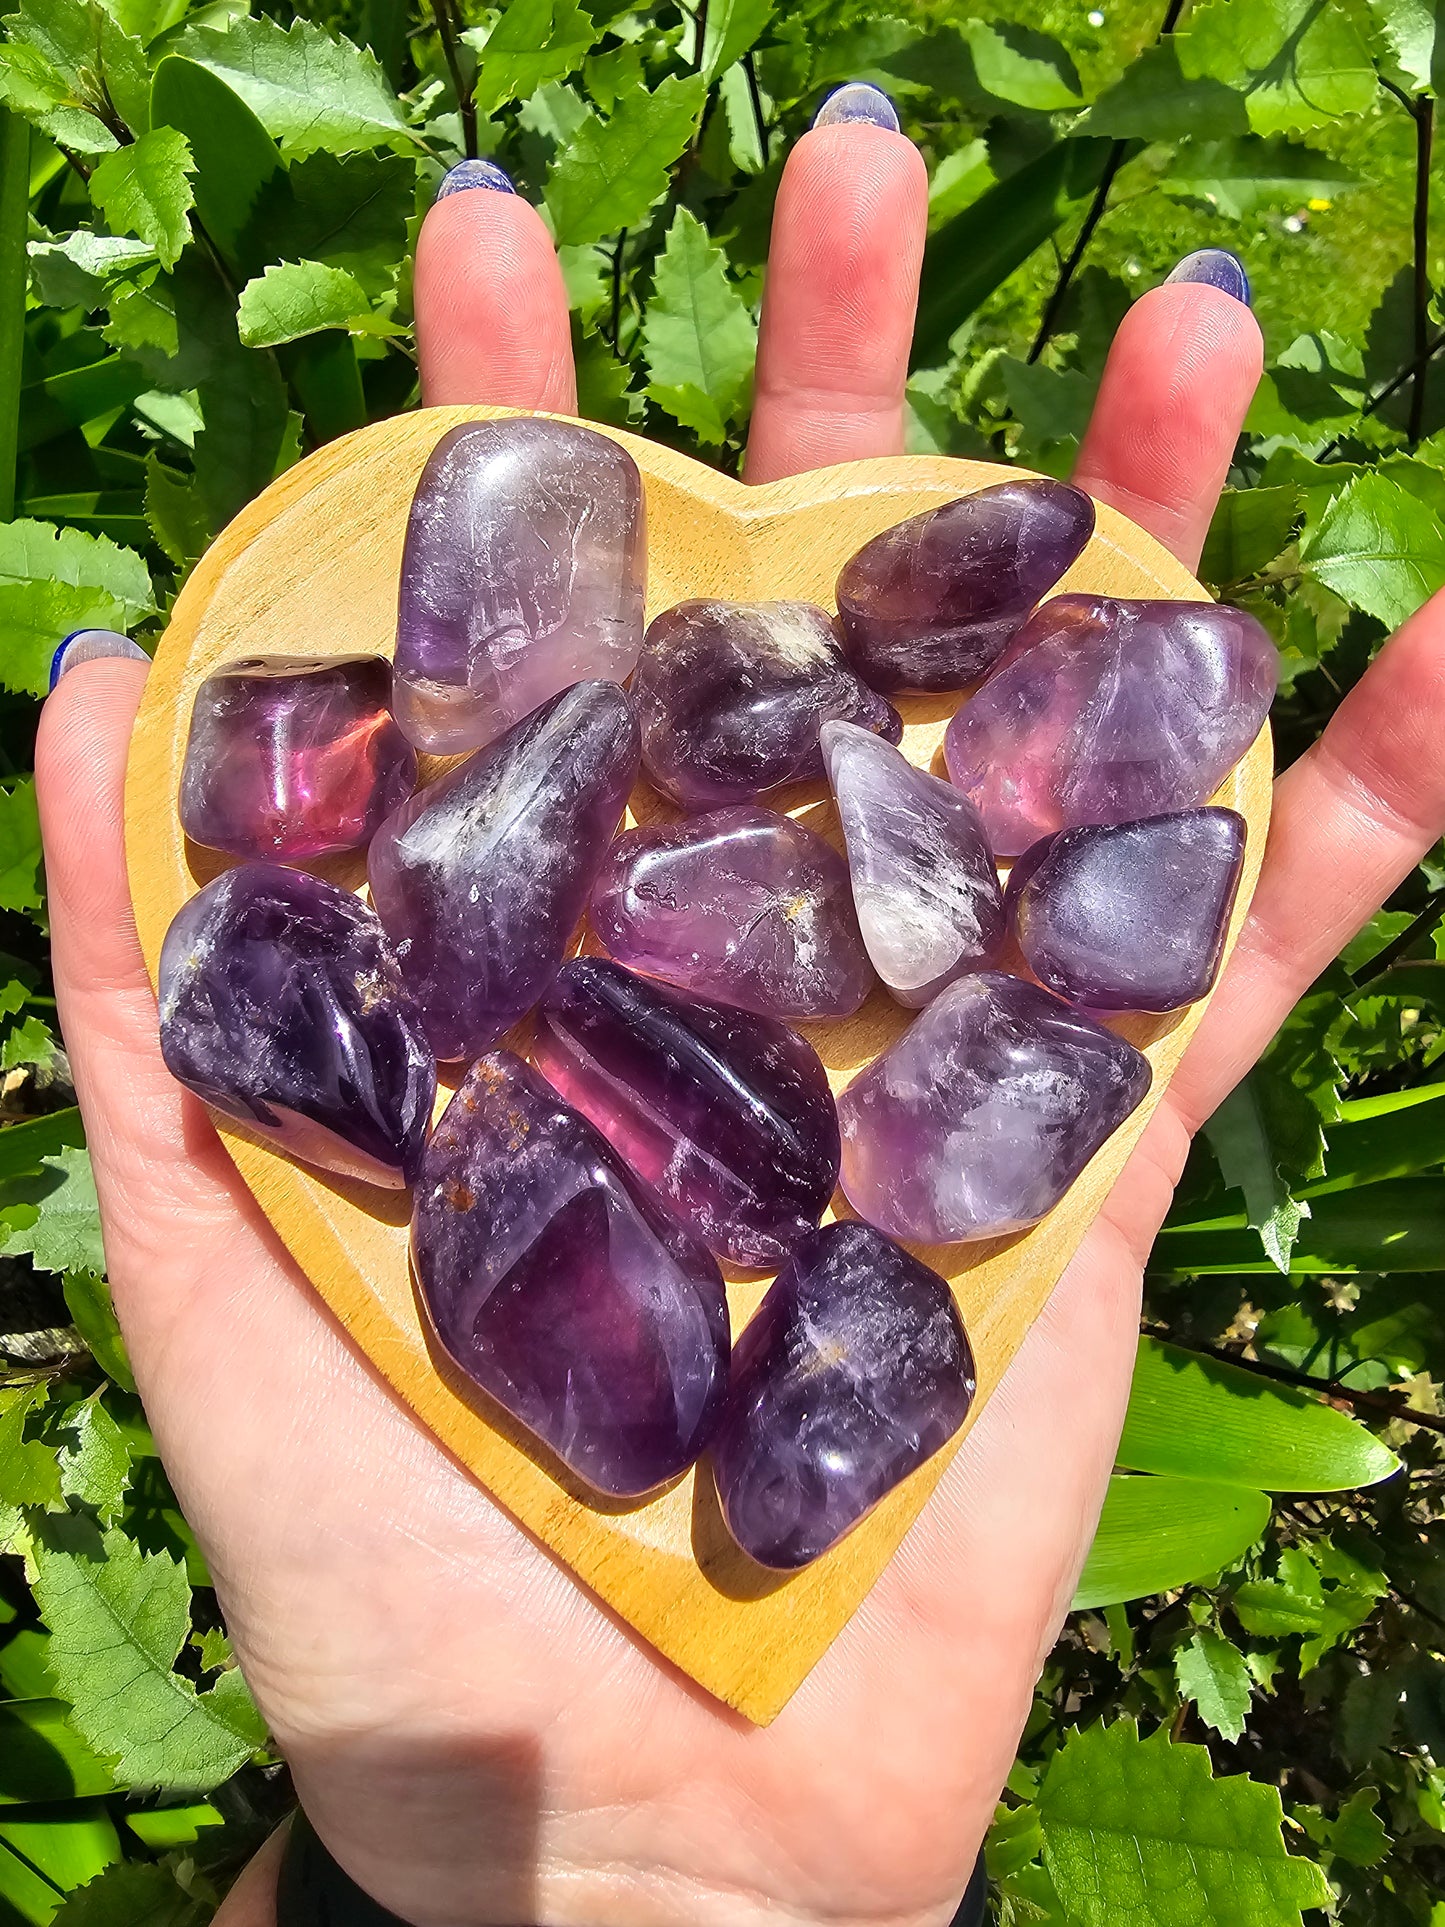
311,568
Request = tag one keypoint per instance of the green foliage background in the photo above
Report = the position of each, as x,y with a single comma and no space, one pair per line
1245,1718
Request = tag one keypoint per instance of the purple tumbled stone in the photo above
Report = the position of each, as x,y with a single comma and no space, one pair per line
282,1004
481,879
852,1372
1105,711
740,904
931,603
523,572
1129,916
924,881
294,756
558,1283
984,1112
731,696
726,1113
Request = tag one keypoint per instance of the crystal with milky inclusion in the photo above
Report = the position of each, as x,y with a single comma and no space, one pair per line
282,1005
931,603
1105,711
741,904
559,1284
726,1113
523,572
731,696
984,1112
924,881
1129,916
294,756
853,1371
482,878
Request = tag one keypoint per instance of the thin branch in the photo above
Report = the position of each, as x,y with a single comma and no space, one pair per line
466,106
755,97
1382,395
14,222
700,30
617,289
1424,140
1423,922
1053,307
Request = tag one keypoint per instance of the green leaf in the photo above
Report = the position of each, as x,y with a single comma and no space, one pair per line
1378,548
175,513
350,211
131,1894
1211,1671
53,1214
1395,1226
699,340
1394,1135
103,66
1240,176
75,270
1304,1601
614,171
1153,101
23,1145
67,1848
51,582
145,190
1298,63
1251,526
20,856
87,1299
23,1894
534,41
29,1474
1021,66
236,161
36,89
1051,404
1267,1138
1357,1833
42,1757
94,1459
168,1827
29,1042
1411,31
302,298
733,26
308,88
1159,1533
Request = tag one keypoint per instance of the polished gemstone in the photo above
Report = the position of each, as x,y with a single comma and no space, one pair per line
852,1372
726,1113
984,1112
523,572
740,904
1105,711
924,880
731,696
931,603
482,878
1129,916
558,1283
282,1005
294,756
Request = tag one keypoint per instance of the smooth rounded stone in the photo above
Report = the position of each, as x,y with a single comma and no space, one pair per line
1130,916
731,696
1104,711
557,1282
523,572
740,904
482,878
931,603
294,756
924,883
984,1112
282,1004
853,1371
726,1113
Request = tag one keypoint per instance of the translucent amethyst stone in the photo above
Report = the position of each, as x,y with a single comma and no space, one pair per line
1130,916
924,881
482,878
852,1372
294,756
726,1113
740,904
731,696
984,1112
931,603
1105,711
282,1005
558,1283
523,572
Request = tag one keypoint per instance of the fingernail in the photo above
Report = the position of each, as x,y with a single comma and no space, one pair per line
1215,268
90,645
475,174
859,100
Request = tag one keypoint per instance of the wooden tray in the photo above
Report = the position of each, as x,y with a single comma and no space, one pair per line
311,567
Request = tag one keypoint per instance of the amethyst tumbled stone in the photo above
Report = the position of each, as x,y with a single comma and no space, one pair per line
558,1283
931,603
726,1113
282,1005
984,1112
294,756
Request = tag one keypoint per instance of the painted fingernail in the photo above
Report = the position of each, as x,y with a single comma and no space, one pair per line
89,645
1216,268
475,174
859,100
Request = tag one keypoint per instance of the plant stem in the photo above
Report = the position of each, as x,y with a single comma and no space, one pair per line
1053,307
1422,923
14,222
700,30
1424,112
1388,1404
466,106
1395,383
617,288
755,96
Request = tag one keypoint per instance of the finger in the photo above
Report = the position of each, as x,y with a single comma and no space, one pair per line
492,325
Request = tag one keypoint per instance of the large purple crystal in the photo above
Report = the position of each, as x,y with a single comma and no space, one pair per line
294,756
931,603
1130,916
523,572
1104,711
924,881
984,1112
726,1113
740,904
558,1283
853,1371
482,878
731,696
282,1005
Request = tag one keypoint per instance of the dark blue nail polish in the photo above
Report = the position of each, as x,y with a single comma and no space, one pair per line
1215,268
90,645
859,100
475,174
